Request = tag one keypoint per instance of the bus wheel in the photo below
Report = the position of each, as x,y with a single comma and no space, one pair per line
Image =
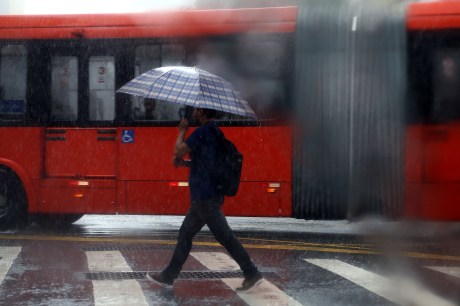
13,201
56,221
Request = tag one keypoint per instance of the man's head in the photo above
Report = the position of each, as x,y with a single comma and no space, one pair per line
203,115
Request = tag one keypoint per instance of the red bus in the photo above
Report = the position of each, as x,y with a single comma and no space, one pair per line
70,146
432,156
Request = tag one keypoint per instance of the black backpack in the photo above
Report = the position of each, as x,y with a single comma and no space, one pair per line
228,168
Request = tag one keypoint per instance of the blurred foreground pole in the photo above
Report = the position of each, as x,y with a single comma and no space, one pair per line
350,92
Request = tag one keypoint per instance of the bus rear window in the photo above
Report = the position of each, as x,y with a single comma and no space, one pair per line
13,82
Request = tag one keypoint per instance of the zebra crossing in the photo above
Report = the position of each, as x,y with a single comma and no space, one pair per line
399,291
114,292
7,257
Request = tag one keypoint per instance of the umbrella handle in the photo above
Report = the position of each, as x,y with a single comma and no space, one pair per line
181,112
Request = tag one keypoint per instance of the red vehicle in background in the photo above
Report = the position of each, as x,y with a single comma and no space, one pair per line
432,157
71,146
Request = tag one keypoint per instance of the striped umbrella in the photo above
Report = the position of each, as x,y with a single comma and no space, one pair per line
189,86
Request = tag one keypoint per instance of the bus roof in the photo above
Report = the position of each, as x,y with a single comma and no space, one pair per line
151,24
434,15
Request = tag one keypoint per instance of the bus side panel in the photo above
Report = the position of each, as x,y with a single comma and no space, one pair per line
265,189
441,201
24,146
154,186
157,197
431,170
441,147
62,196
432,201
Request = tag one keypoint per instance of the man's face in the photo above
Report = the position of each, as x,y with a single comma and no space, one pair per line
196,114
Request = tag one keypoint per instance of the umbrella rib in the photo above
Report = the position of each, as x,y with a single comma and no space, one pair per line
190,92
157,78
201,91
154,78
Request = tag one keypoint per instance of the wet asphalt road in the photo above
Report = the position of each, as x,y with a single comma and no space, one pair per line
102,260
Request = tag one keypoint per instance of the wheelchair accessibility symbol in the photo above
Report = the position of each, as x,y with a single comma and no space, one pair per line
128,136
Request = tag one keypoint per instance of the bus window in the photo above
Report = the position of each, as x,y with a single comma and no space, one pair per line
147,58
13,82
446,82
254,66
172,55
261,57
261,62
101,88
64,88
156,110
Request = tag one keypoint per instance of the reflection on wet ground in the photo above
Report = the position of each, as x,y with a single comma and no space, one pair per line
103,260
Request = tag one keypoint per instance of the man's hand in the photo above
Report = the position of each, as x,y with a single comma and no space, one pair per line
180,147
183,125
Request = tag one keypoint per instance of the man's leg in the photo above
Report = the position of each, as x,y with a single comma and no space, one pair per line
210,211
191,225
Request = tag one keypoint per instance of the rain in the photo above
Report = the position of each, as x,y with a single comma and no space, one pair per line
348,189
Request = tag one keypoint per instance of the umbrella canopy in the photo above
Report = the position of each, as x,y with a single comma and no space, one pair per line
189,86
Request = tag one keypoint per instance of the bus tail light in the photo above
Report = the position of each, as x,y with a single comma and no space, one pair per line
178,184
273,187
78,183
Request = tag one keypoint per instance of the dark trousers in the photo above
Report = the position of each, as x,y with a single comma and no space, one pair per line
207,212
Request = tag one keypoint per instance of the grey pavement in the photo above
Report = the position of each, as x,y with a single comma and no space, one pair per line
261,225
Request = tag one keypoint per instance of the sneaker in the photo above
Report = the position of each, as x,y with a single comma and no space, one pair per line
250,282
158,279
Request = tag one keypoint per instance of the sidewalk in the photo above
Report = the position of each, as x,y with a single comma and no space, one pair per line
291,226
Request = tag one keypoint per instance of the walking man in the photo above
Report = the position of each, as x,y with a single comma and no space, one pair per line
206,202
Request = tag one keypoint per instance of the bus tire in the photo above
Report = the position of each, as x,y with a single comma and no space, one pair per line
13,201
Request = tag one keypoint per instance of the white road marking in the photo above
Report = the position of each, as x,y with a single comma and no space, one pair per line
398,290
452,271
216,260
264,293
107,261
8,255
114,292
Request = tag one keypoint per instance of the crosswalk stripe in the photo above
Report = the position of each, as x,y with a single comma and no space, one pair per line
452,271
400,291
265,293
216,260
107,261
118,292
7,257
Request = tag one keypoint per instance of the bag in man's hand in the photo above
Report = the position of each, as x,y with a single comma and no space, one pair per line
228,168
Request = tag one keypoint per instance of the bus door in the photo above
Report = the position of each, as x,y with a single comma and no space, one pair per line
80,143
